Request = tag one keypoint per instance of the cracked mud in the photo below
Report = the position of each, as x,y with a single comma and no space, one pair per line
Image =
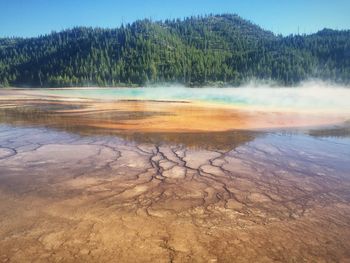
172,197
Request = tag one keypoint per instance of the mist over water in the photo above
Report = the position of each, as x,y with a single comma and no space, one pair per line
308,96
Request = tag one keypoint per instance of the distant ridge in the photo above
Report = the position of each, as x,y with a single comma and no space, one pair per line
222,49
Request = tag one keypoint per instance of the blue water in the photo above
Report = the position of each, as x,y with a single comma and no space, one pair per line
310,97
214,95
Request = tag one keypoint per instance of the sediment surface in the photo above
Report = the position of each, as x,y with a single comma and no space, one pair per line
106,195
67,198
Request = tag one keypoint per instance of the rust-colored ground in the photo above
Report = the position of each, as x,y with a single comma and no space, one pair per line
148,116
90,190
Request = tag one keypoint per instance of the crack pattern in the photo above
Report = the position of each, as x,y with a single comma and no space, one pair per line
97,198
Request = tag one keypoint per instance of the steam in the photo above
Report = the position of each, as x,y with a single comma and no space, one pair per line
308,96
311,95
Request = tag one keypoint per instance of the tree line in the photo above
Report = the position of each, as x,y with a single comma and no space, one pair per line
222,49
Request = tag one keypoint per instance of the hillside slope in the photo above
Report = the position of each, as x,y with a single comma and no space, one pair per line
194,51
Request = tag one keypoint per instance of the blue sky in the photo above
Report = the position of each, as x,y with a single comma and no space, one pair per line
34,17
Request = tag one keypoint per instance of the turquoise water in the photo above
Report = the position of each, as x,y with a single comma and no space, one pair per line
214,95
310,97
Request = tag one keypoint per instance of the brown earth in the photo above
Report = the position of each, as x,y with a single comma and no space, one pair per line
165,196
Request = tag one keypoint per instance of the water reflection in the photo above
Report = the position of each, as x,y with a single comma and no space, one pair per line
149,122
60,116
336,131
227,140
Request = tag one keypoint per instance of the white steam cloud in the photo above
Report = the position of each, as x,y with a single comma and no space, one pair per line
309,96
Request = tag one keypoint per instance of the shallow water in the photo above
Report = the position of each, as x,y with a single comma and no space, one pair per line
278,196
86,181
149,116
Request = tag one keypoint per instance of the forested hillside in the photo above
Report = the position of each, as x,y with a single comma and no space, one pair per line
192,51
